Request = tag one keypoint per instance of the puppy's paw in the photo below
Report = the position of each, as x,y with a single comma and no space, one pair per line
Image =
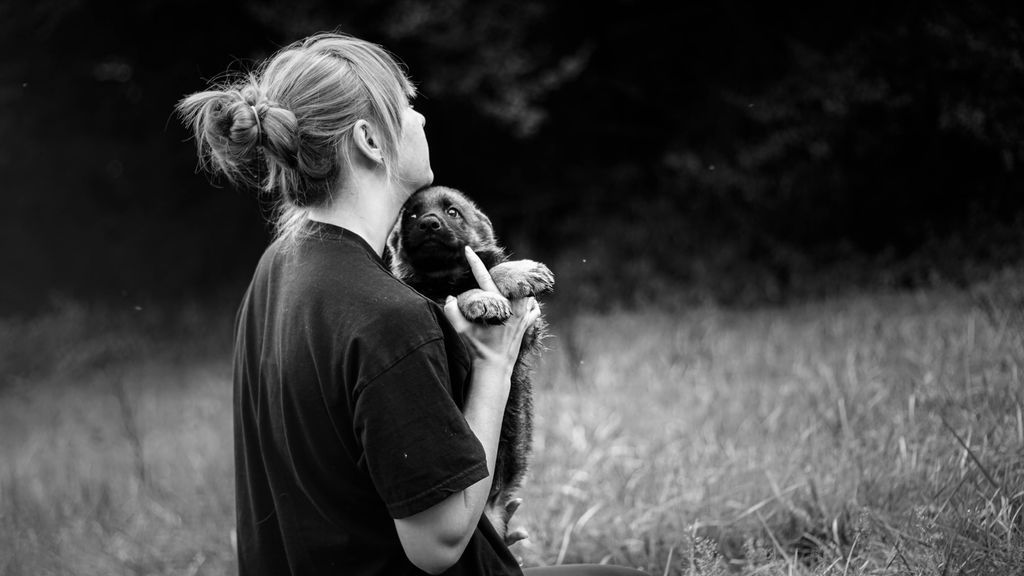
522,278
482,306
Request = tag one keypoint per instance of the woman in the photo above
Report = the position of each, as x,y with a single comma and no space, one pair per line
365,430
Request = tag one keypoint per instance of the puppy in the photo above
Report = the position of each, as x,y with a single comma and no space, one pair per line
427,253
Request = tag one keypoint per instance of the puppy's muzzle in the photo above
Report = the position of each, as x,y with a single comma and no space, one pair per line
429,223
430,234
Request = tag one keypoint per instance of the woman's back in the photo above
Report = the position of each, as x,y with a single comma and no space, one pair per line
332,352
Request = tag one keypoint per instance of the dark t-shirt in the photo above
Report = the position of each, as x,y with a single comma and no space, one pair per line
348,391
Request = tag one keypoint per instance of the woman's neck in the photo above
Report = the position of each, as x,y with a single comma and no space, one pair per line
367,207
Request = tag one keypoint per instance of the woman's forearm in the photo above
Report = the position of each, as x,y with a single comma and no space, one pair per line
485,408
436,538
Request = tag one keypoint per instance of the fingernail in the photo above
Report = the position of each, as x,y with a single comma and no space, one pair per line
449,299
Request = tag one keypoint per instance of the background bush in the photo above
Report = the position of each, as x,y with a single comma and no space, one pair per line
727,151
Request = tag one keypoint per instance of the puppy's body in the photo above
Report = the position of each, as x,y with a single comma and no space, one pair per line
427,254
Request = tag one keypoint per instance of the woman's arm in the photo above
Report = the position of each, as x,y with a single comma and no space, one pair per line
435,538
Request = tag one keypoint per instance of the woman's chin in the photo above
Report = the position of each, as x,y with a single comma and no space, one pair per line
428,179
419,182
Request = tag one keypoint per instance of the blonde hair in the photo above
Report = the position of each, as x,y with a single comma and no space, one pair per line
287,126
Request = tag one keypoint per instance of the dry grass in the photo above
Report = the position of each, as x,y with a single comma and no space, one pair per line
867,435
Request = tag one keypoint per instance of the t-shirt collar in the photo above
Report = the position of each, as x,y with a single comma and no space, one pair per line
328,231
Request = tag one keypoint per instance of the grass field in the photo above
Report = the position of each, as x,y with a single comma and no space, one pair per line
873,434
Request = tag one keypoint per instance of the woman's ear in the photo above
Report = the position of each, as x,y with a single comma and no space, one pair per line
367,141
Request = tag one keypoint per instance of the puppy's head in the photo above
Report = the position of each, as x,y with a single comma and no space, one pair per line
435,225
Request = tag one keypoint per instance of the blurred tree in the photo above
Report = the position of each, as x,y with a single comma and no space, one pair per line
501,57
785,142
734,149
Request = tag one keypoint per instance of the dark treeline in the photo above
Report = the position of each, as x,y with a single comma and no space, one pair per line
737,150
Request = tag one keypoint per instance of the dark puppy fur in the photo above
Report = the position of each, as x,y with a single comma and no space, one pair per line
427,254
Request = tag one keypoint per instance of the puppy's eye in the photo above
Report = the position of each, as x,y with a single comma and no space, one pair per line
453,212
413,216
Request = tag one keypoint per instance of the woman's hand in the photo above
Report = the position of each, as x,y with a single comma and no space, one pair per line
495,346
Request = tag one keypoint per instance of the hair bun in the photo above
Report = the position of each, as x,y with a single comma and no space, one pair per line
233,123
245,123
286,126
280,132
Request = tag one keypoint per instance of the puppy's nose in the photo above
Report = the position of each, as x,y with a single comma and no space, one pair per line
430,222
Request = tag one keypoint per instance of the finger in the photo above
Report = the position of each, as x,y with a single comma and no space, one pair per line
525,306
516,535
454,315
521,306
533,313
525,320
483,277
531,318
511,507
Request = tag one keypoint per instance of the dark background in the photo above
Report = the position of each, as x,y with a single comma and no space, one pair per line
739,152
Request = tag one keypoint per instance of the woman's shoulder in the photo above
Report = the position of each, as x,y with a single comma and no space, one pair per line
344,289
398,311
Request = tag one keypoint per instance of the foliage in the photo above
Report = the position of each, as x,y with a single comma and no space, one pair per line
736,150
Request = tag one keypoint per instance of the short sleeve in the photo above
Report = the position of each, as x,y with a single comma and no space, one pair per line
417,445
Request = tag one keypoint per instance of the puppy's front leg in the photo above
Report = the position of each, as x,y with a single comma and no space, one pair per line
522,278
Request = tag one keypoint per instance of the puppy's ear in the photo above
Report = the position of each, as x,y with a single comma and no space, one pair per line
394,243
485,227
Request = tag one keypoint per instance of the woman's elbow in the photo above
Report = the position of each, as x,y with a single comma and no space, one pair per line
432,545
436,559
